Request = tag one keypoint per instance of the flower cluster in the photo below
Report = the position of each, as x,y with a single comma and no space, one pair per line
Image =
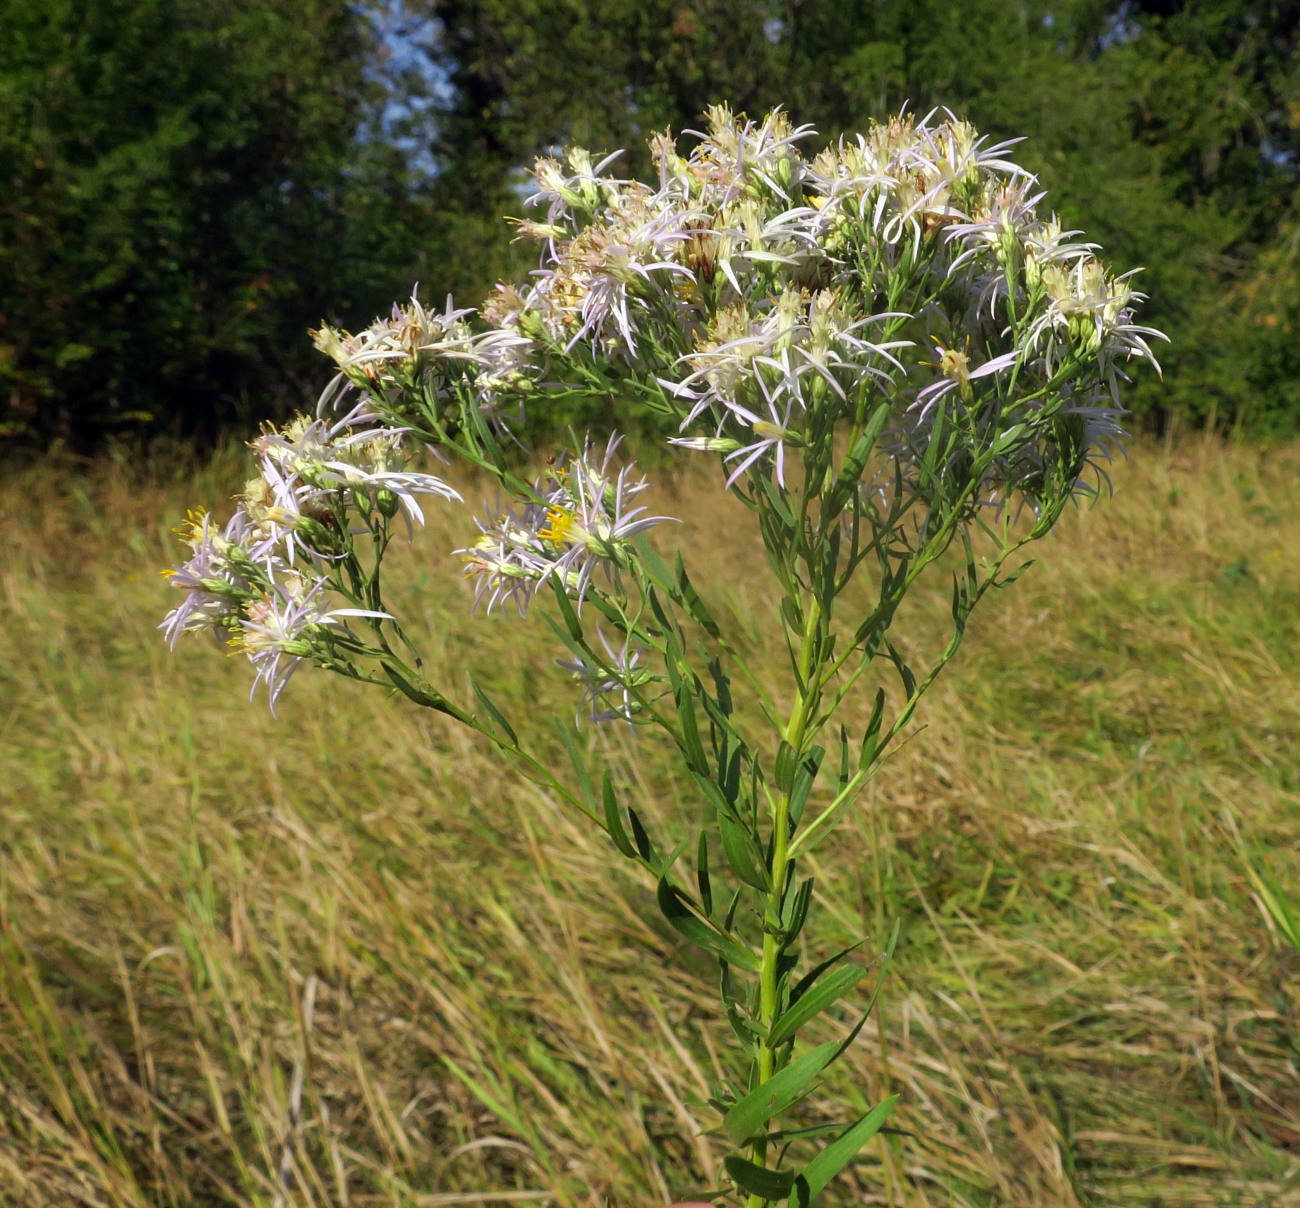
414,356
769,293
578,524
261,583
901,288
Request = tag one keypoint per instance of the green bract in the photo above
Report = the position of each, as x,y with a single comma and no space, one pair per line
893,357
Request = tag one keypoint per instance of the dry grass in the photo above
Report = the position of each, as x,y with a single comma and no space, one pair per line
346,958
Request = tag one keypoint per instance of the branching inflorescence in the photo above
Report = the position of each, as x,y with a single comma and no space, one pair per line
894,356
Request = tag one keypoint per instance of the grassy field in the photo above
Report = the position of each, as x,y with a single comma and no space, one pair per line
345,958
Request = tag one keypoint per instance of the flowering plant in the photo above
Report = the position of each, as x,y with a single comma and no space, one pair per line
894,357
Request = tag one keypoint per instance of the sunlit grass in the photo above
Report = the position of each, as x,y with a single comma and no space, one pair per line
346,957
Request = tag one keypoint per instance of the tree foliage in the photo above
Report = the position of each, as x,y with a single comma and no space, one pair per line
186,193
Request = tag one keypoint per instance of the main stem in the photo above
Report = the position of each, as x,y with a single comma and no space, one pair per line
794,734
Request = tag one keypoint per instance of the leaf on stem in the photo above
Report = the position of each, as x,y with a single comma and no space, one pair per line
814,1001
571,622
867,755
579,766
839,1153
497,716
738,847
685,917
758,1180
702,874
749,1117
804,778
614,819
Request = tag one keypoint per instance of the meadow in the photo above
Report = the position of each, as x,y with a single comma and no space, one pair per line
345,957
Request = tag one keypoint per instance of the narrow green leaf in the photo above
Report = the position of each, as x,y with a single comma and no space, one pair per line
644,848
658,570
758,1180
856,462
785,766
740,853
729,767
702,874
579,765
804,778
794,910
691,598
840,1152
721,685
571,622
791,615
692,748
868,753
683,916
497,716
748,1033
815,1001
1008,580
883,960
614,819
904,671
809,979
780,508
749,1117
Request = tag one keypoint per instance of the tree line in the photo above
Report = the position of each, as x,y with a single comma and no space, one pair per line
189,185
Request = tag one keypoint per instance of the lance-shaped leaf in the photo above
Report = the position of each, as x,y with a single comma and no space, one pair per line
814,1001
749,1117
804,778
739,850
690,743
786,763
839,1153
614,819
506,730
772,1185
905,672
702,877
565,605
690,599
872,736
794,907
685,918
645,849
846,482
579,765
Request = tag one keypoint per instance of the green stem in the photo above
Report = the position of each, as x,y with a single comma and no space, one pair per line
795,732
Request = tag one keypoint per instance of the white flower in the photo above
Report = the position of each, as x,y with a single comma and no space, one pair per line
309,463
286,625
224,571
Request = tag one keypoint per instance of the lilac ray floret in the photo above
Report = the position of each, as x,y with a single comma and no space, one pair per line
605,683
283,628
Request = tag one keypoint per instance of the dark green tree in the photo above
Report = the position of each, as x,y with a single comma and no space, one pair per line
185,193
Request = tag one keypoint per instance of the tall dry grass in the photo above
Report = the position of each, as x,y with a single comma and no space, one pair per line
347,958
